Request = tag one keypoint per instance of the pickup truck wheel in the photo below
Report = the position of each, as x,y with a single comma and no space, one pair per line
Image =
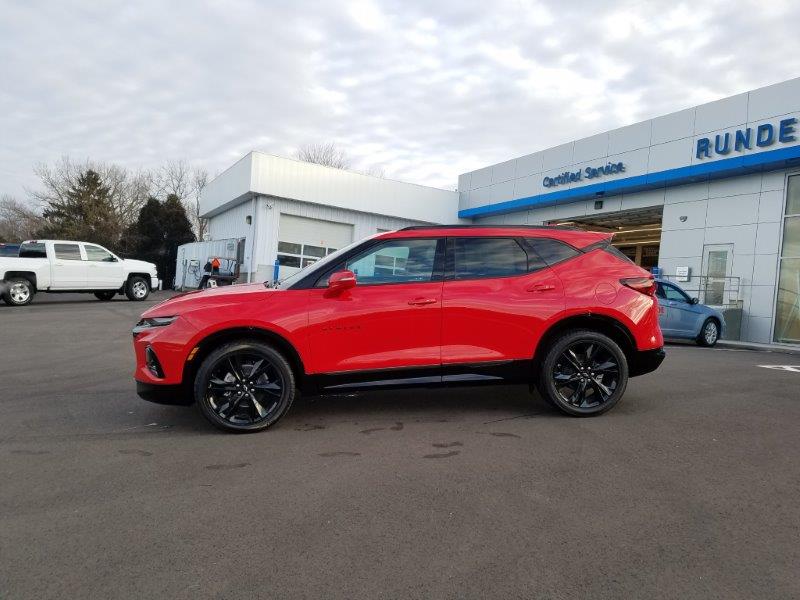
105,296
19,293
137,289
583,374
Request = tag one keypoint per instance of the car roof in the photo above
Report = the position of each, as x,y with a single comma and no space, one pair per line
571,235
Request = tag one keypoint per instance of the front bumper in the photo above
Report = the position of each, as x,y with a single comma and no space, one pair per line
164,394
155,283
646,361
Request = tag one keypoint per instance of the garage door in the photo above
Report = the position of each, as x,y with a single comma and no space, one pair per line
302,241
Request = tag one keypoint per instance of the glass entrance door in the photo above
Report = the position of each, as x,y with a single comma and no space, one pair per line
716,270
787,308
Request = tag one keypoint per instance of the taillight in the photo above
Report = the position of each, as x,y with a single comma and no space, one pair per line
645,285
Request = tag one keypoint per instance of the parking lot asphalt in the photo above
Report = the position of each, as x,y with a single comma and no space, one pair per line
690,488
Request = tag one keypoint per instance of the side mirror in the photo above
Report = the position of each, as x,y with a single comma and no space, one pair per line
341,280
695,300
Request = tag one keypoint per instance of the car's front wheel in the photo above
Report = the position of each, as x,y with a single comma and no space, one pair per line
19,292
709,334
584,373
244,386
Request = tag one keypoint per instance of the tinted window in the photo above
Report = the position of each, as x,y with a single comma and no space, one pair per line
488,257
394,261
96,253
671,293
67,251
619,253
9,250
552,251
33,250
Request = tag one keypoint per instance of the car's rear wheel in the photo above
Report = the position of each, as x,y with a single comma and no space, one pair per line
105,296
137,288
19,292
584,373
244,386
709,334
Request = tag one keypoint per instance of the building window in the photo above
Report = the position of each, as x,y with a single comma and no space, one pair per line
787,310
300,255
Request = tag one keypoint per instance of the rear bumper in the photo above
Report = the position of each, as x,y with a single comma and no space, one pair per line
164,394
646,361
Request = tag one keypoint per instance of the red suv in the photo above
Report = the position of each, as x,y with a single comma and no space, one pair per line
557,307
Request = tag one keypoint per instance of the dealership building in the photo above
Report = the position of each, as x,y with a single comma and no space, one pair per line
709,195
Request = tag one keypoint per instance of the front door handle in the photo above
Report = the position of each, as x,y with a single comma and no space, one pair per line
422,301
541,287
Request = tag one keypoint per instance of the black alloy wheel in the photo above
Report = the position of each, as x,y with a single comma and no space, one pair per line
585,373
244,386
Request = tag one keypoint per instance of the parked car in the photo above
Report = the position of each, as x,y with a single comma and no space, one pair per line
7,249
557,307
64,266
682,317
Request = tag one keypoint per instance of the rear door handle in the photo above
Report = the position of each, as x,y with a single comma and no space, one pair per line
541,287
422,301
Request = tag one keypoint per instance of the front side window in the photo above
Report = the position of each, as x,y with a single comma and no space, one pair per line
67,251
670,293
395,261
98,254
476,258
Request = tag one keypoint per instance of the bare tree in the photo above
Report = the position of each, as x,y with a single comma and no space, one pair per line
199,182
18,221
329,155
128,191
186,182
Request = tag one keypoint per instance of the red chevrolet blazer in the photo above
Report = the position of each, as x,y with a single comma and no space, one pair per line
557,307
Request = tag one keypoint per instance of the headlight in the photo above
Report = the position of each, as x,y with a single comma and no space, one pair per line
151,322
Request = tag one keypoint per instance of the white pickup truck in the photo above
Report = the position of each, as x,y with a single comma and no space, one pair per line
63,266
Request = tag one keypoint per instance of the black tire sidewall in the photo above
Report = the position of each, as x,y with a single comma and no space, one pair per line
129,288
7,296
546,385
277,359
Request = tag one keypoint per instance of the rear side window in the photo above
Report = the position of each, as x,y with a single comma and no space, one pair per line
618,253
551,251
33,250
67,251
476,257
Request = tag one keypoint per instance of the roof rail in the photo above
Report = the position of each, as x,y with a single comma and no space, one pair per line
539,227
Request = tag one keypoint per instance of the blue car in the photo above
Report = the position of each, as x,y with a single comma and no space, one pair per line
682,317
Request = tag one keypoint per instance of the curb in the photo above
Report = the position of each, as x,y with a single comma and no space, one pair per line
759,347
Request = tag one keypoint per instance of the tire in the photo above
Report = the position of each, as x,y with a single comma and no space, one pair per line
105,296
709,333
231,399
137,288
584,373
19,292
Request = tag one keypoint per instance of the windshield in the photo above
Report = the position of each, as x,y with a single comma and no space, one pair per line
317,266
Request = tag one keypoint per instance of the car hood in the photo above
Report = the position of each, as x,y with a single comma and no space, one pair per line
187,301
139,264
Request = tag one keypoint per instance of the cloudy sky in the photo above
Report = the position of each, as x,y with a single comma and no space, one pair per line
425,90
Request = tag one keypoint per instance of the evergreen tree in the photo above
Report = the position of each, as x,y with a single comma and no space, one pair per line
157,233
84,213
